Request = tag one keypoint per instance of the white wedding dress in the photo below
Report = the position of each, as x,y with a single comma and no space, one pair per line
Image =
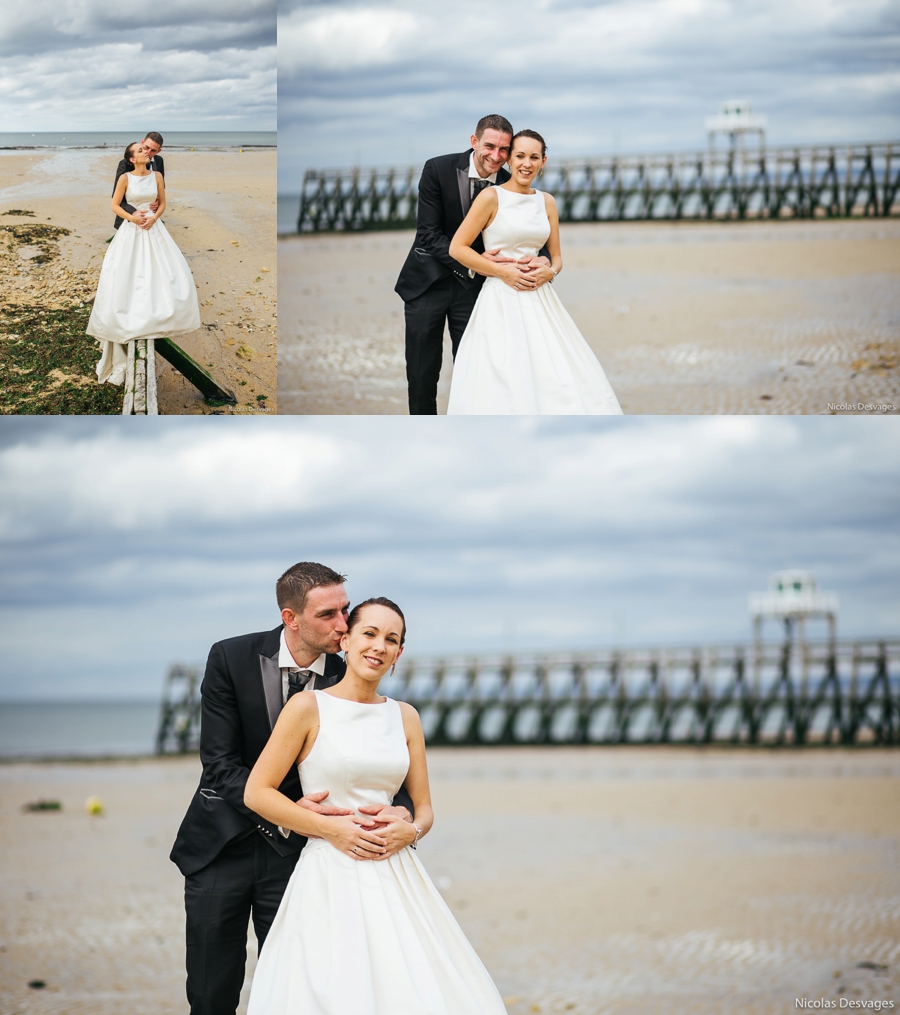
365,937
146,288
521,353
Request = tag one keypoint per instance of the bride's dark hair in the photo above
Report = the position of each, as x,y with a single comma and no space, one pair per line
532,134
353,619
128,151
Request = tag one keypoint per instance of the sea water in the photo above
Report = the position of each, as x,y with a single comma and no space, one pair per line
120,138
77,729
288,213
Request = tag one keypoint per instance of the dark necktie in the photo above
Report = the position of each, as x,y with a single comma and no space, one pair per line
478,186
297,681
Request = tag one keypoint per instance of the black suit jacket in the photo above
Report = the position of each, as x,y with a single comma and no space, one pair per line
156,163
443,204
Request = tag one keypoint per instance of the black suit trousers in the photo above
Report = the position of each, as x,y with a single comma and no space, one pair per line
444,300
248,878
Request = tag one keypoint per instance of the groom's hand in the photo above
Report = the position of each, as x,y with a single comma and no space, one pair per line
393,824
532,263
396,832
494,255
313,802
383,815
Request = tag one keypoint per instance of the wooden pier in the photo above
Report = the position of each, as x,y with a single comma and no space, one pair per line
840,693
831,693
179,720
829,181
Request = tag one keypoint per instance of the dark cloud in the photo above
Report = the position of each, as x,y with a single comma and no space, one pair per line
398,82
76,65
123,549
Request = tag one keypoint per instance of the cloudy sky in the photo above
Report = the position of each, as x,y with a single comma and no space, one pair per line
398,81
98,64
125,548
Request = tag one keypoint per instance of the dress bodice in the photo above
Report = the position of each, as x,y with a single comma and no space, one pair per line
141,190
360,754
520,227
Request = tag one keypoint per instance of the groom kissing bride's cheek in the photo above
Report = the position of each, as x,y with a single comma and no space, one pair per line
310,775
486,247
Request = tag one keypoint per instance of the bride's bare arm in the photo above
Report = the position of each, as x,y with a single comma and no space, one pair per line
481,214
119,196
290,741
417,777
553,247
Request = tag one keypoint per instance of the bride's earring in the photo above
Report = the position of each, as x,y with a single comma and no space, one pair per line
394,667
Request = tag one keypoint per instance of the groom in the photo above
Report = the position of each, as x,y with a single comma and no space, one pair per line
434,287
151,144
235,863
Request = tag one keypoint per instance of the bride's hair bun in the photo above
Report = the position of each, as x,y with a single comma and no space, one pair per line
128,157
532,134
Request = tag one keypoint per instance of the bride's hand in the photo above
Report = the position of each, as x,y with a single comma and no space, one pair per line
358,842
397,833
514,277
541,275
147,223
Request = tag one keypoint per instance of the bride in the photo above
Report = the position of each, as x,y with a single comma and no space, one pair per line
146,288
521,353
361,929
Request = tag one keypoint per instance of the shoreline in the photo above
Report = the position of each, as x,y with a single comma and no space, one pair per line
109,148
580,752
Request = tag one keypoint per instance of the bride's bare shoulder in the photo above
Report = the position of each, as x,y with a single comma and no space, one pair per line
410,716
301,707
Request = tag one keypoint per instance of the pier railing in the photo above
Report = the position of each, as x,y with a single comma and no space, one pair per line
846,693
830,181
179,718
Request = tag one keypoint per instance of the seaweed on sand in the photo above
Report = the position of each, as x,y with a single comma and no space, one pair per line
47,364
37,234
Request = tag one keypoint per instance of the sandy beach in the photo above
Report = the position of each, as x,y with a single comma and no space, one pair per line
221,212
593,880
756,317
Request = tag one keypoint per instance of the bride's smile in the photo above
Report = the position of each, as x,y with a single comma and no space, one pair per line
373,645
525,162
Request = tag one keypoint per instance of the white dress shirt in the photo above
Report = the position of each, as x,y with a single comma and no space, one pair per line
475,175
287,663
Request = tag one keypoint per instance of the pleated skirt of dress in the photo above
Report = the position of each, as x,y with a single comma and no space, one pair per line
367,938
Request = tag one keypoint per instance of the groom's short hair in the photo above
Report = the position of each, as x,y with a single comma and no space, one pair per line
494,121
294,585
153,136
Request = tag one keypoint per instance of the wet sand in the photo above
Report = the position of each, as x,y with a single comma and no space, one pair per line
221,212
757,317
595,880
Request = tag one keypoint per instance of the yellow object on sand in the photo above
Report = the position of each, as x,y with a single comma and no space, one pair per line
93,805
